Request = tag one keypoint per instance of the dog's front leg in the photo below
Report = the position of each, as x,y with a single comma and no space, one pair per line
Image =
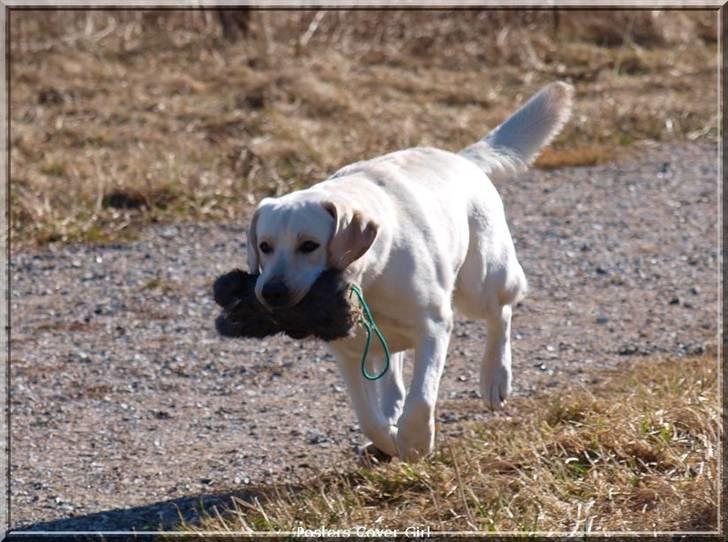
390,393
365,400
416,426
391,389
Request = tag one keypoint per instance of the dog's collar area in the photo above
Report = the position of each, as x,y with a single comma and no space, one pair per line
366,320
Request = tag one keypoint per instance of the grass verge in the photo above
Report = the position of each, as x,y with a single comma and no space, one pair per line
636,451
120,119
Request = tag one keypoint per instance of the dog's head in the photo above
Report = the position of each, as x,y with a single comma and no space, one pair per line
292,239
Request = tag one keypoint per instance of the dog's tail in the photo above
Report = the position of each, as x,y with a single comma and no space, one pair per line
515,143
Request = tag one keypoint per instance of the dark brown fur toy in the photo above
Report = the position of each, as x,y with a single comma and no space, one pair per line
325,311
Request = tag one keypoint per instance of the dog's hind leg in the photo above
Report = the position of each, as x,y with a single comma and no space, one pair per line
490,282
495,369
496,309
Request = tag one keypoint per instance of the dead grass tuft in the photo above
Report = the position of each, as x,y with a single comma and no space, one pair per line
636,452
587,155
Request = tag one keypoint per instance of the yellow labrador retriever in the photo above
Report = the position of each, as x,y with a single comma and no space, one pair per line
420,230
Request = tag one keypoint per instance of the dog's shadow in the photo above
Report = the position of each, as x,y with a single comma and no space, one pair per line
161,516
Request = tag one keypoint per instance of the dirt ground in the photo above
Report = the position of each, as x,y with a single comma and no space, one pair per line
126,405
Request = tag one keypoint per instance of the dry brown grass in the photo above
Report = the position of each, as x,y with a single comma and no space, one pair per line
584,155
636,452
120,119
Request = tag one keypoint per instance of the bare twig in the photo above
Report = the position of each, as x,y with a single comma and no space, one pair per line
311,30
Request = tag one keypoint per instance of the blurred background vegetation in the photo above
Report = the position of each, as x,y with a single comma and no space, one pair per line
124,118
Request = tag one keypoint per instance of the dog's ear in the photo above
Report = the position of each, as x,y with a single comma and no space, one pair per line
352,236
253,256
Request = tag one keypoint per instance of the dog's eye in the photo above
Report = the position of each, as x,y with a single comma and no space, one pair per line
265,248
308,247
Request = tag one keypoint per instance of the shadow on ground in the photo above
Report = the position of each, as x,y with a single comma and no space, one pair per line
161,516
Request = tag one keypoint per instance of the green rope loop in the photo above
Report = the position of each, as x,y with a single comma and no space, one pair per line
370,325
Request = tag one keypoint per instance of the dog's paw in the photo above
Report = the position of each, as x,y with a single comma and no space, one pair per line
495,386
412,448
370,455
415,437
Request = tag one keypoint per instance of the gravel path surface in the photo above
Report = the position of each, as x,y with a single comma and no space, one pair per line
125,403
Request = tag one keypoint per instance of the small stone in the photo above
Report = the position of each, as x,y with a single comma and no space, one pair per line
169,233
695,290
602,319
675,301
448,417
317,439
600,270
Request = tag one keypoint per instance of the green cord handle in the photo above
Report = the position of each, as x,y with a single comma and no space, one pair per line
370,325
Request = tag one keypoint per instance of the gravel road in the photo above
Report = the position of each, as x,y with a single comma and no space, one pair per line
126,403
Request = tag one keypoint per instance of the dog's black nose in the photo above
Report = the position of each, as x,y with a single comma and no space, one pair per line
275,293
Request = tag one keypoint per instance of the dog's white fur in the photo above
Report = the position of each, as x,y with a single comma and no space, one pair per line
419,230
